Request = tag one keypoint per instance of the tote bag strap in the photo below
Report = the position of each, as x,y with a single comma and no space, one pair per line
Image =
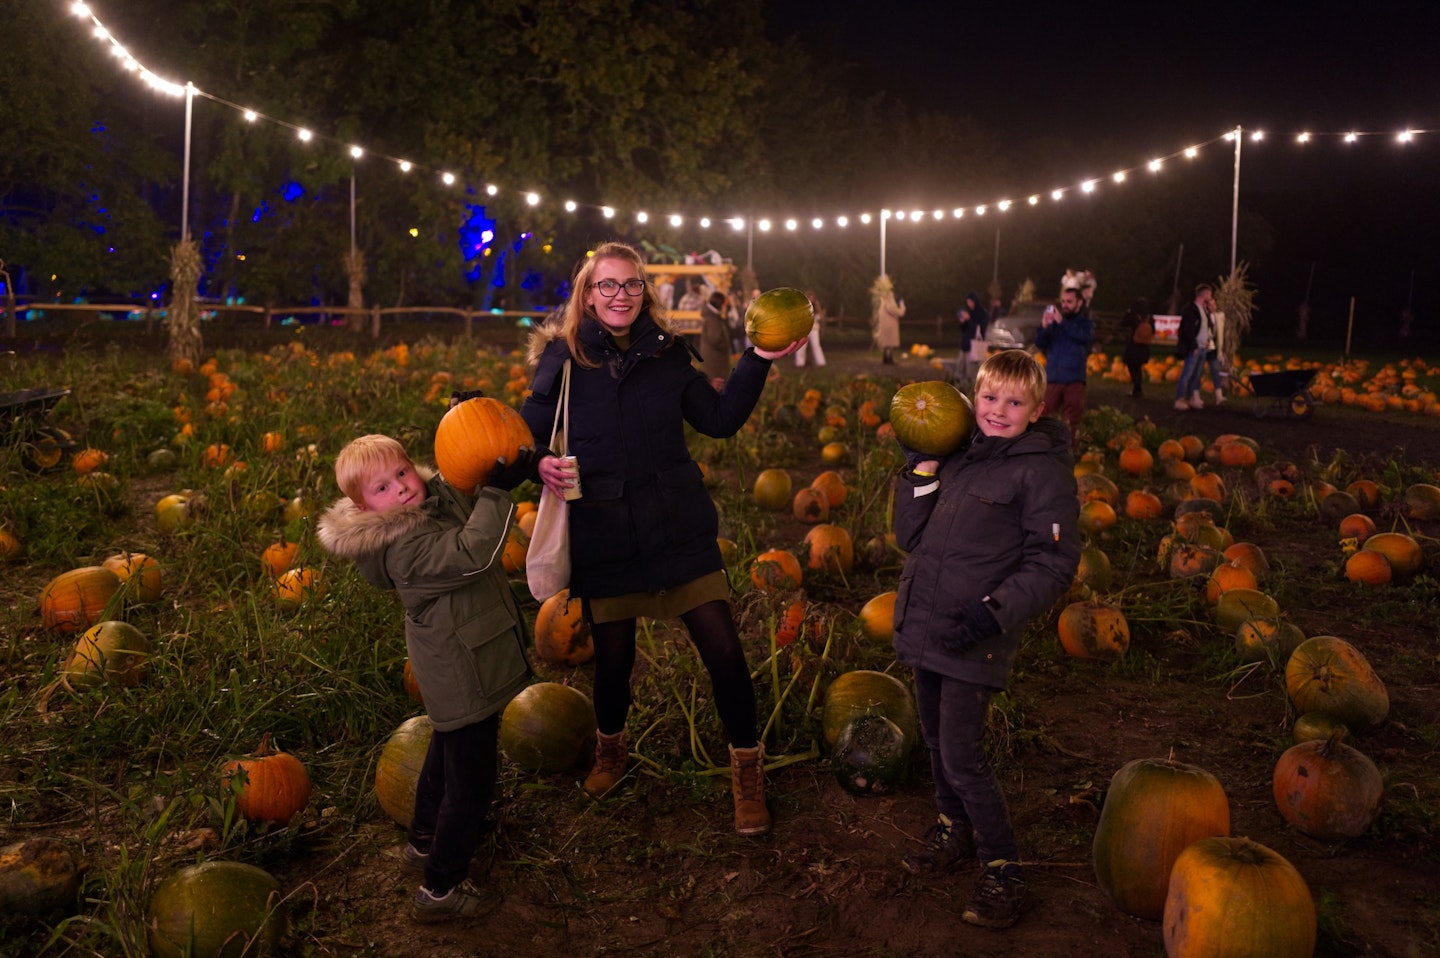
564,413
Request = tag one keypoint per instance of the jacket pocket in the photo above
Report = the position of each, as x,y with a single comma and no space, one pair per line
496,657
600,528
689,512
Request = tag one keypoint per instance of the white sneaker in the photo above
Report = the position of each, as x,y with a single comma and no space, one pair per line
1182,404
1219,397
1196,402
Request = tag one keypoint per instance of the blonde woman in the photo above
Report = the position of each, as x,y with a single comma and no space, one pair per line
886,317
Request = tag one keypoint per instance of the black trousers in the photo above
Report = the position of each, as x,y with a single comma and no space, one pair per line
456,785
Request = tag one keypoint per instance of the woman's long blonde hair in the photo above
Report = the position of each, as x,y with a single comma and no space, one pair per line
566,322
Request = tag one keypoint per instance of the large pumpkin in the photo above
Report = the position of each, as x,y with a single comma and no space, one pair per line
933,418
772,489
863,692
75,600
1327,789
562,636
1422,501
1234,898
271,785
113,652
1154,808
548,728
217,909
473,435
869,756
37,876
1094,630
1329,675
1237,606
779,317
398,769
1401,551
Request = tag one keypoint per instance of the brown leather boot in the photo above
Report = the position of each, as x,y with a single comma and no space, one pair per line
612,757
747,784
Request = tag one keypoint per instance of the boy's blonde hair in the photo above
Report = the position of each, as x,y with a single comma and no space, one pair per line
1014,369
362,458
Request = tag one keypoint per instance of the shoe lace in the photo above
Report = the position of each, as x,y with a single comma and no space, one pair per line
748,777
937,837
994,883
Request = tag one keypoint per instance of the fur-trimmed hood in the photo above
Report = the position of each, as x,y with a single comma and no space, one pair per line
353,533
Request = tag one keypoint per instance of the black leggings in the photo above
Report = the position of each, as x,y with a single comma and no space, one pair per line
712,630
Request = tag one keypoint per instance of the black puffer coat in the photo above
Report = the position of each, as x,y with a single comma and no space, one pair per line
999,520
645,521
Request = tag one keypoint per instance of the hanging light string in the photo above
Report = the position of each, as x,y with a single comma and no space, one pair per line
737,222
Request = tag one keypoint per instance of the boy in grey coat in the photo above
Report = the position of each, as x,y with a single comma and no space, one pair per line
992,537
408,530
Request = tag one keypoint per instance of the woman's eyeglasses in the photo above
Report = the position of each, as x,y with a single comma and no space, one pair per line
609,287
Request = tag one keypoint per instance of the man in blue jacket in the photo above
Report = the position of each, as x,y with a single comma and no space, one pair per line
1064,337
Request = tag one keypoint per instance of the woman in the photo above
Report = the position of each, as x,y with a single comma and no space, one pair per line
886,317
643,533
1139,327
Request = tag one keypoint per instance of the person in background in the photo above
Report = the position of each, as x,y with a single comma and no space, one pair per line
979,567
410,531
811,344
1064,337
714,340
1191,343
974,321
643,532
885,317
735,321
1139,326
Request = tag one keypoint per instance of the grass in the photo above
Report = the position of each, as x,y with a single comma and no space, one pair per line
134,772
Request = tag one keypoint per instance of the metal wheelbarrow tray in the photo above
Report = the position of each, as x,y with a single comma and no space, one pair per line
22,413
1287,391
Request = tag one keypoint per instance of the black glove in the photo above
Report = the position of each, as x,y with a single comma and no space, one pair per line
508,475
912,456
460,395
976,622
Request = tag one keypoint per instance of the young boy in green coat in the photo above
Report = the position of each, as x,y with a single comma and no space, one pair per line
408,530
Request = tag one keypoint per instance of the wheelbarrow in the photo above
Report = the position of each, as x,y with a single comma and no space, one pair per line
1287,392
24,426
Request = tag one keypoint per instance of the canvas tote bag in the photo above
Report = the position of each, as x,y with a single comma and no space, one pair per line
547,563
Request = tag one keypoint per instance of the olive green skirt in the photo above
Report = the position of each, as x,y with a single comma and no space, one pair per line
665,604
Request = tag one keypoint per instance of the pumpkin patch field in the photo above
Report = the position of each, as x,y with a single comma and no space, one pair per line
1223,739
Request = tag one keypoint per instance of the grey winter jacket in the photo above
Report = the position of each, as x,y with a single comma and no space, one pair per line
464,631
999,520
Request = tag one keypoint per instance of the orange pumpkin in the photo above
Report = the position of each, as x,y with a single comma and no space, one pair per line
1096,516
1234,897
834,488
278,557
1357,526
298,586
933,418
1366,492
774,570
562,636
410,683
1094,630
10,545
113,652
1153,809
472,436
1228,576
1327,789
1136,460
140,575
1143,504
830,548
88,460
877,617
272,442
270,785
1368,567
1235,606
517,547
792,621
1421,501
75,600
1250,556
811,505
779,317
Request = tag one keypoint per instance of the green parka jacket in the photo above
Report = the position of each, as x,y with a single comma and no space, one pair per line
464,630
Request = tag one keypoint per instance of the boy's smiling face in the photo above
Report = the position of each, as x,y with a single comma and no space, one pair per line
393,485
1003,411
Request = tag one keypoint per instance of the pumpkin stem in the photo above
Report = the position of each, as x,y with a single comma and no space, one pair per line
265,748
1245,851
1332,744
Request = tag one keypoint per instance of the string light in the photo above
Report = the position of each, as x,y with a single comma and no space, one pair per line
791,225
128,63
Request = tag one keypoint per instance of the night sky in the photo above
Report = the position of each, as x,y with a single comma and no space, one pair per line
1160,76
